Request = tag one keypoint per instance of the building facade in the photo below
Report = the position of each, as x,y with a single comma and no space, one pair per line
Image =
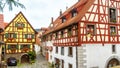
88,34
19,37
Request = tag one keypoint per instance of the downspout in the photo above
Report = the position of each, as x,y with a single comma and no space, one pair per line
76,57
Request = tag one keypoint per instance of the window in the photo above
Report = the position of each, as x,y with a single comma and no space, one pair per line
70,51
90,30
112,30
70,66
13,48
112,15
51,37
56,35
10,35
20,25
29,36
56,49
62,63
62,34
69,32
62,50
74,12
113,49
63,19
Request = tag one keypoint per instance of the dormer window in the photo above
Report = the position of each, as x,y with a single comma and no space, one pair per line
56,35
63,19
20,25
112,15
90,30
74,12
62,34
112,30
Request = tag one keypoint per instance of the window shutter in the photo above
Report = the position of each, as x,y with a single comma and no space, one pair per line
26,36
16,25
17,46
28,46
15,35
33,36
9,47
6,35
21,46
23,25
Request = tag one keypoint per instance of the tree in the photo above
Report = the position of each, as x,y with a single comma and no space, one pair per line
10,4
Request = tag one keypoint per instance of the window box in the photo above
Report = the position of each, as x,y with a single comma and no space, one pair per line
29,38
10,38
113,33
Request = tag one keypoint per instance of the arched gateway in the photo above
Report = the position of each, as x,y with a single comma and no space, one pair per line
113,62
25,58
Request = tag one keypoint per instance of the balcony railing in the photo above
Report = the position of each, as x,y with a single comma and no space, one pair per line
68,41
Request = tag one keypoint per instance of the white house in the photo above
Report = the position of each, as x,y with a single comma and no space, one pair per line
86,35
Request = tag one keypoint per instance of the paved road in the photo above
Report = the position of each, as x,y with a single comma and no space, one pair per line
40,63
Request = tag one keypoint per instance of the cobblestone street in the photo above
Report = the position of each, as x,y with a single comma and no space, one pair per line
40,63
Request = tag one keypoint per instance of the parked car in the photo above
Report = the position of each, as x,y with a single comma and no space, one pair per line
11,61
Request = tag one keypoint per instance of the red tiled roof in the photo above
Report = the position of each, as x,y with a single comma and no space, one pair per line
82,5
5,24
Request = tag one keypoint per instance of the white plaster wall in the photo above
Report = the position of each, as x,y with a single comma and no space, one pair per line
65,57
99,55
49,43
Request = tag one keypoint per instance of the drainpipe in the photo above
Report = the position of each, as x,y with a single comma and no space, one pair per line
76,57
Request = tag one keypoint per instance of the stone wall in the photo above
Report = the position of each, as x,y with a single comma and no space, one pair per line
81,56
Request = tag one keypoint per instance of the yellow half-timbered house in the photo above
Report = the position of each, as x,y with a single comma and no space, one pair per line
19,37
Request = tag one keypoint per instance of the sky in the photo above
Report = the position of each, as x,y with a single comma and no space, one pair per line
39,12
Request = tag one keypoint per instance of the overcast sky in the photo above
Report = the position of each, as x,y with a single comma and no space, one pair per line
39,12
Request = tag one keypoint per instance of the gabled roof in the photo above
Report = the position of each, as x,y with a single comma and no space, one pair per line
82,6
24,18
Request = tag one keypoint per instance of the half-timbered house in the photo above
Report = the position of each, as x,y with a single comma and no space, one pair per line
19,38
86,35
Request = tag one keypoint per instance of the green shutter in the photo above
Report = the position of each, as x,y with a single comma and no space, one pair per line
9,47
16,25
15,35
26,35
6,35
33,36
21,46
28,46
17,46
23,25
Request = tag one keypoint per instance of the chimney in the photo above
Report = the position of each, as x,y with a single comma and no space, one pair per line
60,12
51,19
66,7
1,18
2,21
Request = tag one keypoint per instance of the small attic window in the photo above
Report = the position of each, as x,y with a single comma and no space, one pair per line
20,25
73,12
63,19
112,15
